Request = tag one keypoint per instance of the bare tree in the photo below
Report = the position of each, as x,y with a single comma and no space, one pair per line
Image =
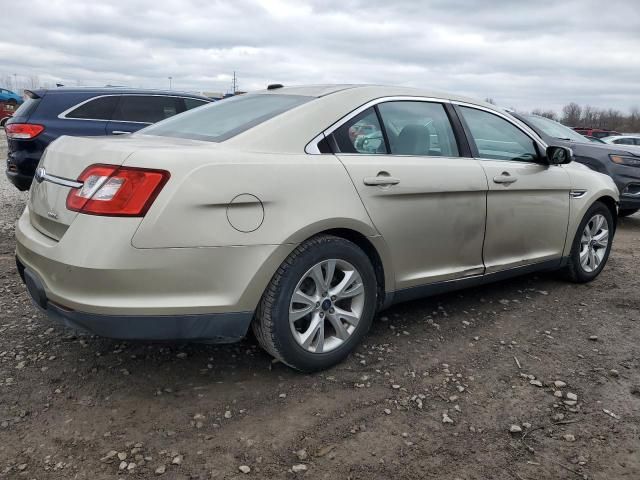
545,113
571,114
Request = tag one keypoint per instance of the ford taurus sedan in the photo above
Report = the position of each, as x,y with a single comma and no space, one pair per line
300,213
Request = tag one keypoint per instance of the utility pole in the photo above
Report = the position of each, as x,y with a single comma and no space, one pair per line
234,86
15,82
170,78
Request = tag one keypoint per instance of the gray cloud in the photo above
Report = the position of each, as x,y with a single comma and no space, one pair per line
523,54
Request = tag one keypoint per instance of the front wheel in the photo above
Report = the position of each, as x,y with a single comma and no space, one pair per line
591,245
319,304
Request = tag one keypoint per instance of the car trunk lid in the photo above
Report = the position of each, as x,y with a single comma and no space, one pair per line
58,171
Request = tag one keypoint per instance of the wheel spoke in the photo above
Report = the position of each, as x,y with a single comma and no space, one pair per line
592,259
602,239
348,317
349,286
341,331
315,329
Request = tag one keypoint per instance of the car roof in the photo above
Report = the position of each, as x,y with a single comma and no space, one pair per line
113,91
372,90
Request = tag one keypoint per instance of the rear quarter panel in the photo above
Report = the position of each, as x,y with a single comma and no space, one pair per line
279,198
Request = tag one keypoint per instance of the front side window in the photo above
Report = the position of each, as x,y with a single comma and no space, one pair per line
100,108
145,108
224,119
361,134
497,139
418,128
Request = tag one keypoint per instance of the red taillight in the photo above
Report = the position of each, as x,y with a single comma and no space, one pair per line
116,191
23,131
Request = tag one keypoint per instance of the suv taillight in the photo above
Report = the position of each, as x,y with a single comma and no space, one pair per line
116,191
23,131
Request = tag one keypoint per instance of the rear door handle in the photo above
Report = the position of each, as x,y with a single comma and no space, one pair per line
381,181
505,178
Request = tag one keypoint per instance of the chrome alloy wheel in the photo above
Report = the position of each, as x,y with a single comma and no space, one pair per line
326,305
594,243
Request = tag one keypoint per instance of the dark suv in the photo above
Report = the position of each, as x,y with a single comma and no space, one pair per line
620,162
48,114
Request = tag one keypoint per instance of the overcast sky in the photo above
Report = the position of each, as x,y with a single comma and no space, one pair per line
524,54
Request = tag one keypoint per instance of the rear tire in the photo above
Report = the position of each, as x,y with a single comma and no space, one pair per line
591,245
319,304
627,212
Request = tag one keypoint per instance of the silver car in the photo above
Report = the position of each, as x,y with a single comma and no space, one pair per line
301,213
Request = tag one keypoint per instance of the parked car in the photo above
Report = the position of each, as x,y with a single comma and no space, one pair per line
264,210
623,140
6,110
7,96
49,114
595,132
620,162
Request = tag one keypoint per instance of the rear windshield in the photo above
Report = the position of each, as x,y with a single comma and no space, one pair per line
226,118
27,108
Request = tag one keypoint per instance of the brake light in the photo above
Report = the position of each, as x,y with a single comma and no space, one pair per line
23,131
116,191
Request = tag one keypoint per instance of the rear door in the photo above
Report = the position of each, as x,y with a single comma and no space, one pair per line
527,201
426,200
134,112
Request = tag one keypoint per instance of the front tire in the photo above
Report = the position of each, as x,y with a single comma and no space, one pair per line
319,304
591,245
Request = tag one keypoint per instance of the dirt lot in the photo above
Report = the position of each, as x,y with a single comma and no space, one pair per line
432,394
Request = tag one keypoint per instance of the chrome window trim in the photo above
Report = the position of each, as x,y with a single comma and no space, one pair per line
63,115
312,147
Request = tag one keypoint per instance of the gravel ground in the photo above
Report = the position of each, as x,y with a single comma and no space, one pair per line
459,386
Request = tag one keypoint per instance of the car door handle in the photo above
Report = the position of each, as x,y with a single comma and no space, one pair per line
119,132
505,178
381,181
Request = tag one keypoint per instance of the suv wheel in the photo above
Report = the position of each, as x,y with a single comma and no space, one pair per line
319,304
591,245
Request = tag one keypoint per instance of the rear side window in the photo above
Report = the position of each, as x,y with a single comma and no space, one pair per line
418,128
498,139
145,108
361,134
222,120
190,103
100,108
27,108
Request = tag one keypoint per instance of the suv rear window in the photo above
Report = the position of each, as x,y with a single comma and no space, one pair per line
226,118
99,108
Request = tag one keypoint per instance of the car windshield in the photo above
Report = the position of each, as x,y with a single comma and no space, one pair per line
555,129
224,119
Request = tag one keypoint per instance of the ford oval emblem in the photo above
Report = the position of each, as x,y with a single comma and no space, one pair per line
40,175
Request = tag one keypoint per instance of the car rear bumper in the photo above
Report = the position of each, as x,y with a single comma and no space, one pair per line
94,279
217,327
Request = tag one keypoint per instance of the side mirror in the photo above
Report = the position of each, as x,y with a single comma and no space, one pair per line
559,155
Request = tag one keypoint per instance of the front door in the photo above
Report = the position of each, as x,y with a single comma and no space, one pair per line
528,199
426,201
